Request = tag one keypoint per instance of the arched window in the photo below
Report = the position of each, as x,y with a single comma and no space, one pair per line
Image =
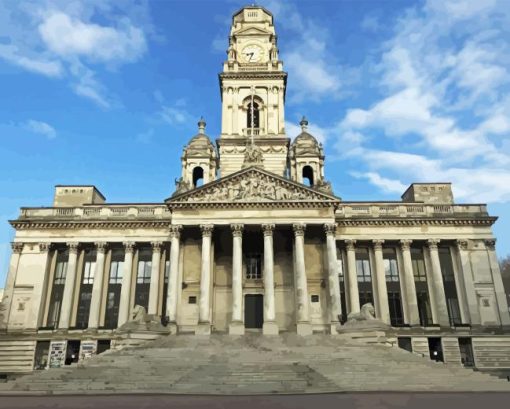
198,176
308,175
256,116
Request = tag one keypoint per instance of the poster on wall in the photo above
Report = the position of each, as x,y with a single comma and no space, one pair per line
57,353
87,349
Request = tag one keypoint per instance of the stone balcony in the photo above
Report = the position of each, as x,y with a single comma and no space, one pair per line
403,210
95,212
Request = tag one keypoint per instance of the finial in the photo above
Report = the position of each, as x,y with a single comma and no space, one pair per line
304,123
201,125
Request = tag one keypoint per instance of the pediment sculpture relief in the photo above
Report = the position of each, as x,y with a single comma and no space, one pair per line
254,186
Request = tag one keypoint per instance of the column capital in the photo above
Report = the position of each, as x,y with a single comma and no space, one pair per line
101,246
432,243
44,247
207,229
490,244
462,244
299,229
17,247
237,229
73,247
156,245
378,243
405,244
330,229
129,246
175,231
268,229
349,244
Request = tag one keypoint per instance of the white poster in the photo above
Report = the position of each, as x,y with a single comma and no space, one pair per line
87,349
57,353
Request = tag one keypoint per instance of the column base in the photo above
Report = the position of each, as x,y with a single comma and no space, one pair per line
236,328
333,328
270,328
203,328
172,328
304,328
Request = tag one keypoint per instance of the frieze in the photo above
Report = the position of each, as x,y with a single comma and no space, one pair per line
252,186
65,225
416,222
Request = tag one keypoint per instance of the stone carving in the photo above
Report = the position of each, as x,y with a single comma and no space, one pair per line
181,186
17,247
253,186
323,186
490,244
253,156
367,313
363,320
141,321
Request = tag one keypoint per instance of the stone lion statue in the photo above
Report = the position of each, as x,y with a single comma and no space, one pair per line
141,321
367,313
140,315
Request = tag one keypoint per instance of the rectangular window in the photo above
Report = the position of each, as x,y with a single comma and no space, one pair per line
143,277
85,295
341,281
390,264
450,290
418,265
144,272
253,266
114,288
57,290
363,265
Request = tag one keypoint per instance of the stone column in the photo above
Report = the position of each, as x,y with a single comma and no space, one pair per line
303,316
97,287
236,327
270,327
499,289
437,281
154,285
68,295
352,277
383,310
467,284
173,284
335,307
6,302
407,276
204,318
125,291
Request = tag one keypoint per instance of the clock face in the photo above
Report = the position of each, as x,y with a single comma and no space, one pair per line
252,53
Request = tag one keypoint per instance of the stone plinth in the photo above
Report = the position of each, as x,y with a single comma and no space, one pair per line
236,328
270,328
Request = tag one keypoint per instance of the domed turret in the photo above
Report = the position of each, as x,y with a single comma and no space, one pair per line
199,161
306,159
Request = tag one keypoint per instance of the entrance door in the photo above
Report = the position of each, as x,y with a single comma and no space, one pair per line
253,310
436,350
466,352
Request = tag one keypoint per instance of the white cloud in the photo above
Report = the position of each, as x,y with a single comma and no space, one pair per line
68,37
41,128
74,40
321,134
444,108
49,68
174,115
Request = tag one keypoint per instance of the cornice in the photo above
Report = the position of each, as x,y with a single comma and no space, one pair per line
252,74
483,221
82,224
252,205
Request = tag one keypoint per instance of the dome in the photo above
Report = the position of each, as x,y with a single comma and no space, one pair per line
200,144
305,143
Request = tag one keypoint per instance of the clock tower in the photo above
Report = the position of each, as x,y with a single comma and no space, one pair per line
252,87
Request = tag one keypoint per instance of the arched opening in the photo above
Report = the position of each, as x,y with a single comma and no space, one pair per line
308,175
256,116
198,176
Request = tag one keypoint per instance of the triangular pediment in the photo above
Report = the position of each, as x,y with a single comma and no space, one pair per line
251,31
253,186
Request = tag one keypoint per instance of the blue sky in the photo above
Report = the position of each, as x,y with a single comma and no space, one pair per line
108,92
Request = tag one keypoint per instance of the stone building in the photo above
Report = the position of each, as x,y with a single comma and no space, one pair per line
254,239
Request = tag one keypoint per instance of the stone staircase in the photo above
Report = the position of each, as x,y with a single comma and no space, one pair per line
254,364
16,355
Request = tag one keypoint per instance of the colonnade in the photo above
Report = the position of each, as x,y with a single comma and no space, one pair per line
464,281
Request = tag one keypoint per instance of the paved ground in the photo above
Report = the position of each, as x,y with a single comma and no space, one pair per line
322,401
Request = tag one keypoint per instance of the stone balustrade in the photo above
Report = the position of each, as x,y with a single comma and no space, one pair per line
97,212
382,210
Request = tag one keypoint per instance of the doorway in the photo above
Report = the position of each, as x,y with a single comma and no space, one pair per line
253,310
466,352
436,349
72,352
